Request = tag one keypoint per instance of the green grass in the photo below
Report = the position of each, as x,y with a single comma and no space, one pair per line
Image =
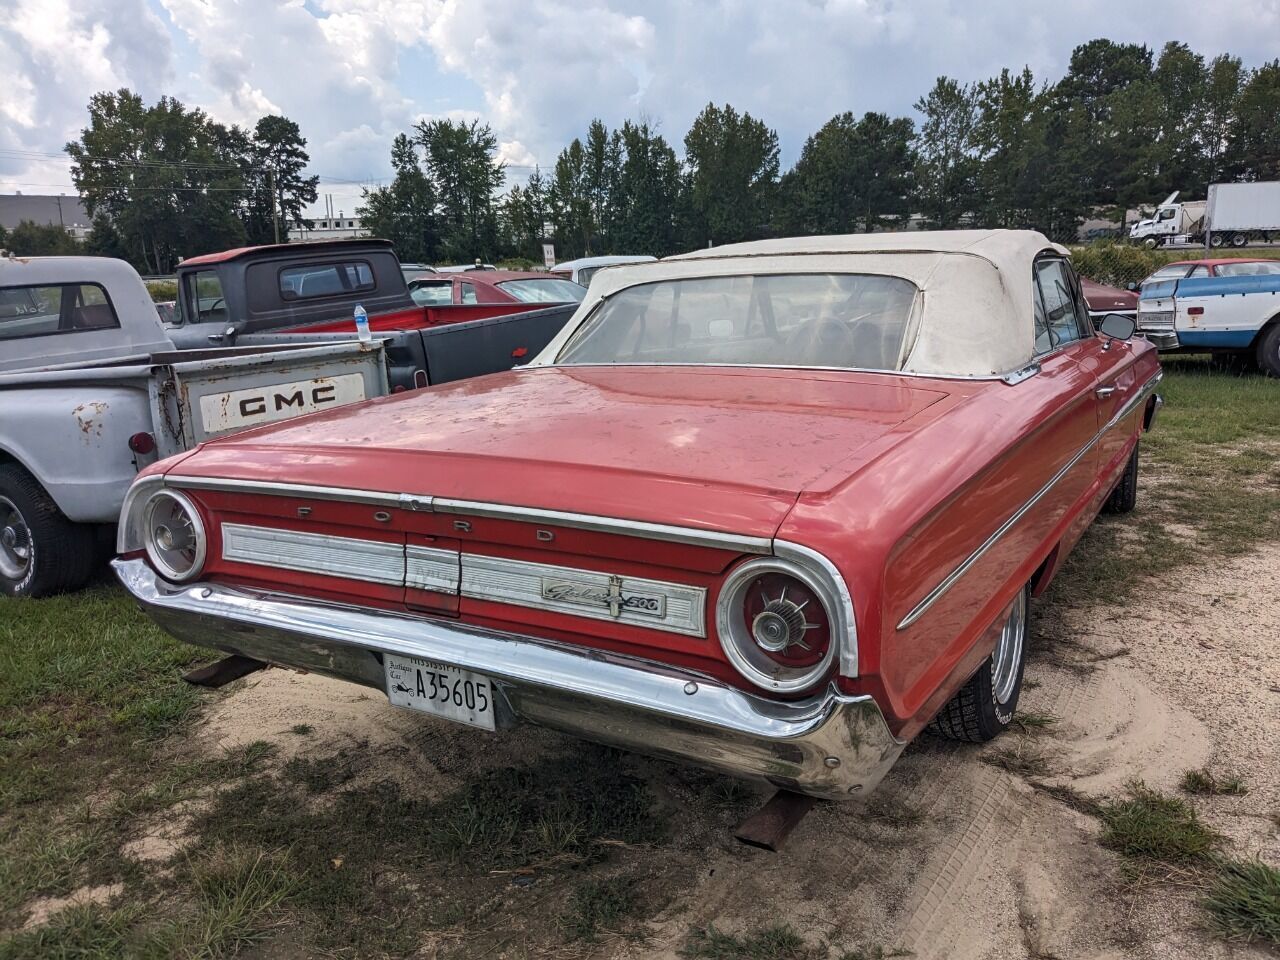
1205,783
778,942
1147,825
1210,473
599,905
1244,902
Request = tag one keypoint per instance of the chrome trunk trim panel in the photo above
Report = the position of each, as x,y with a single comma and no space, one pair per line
831,744
598,524
424,503
431,568
652,604
352,559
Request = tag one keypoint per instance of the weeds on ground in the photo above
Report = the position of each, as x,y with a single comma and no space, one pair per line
1148,825
599,905
1030,721
302,729
779,942
1244,901
1021,758
1205,783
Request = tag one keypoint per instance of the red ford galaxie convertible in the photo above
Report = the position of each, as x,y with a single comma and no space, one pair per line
770,508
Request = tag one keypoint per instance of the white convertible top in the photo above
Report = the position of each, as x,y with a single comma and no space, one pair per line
976,287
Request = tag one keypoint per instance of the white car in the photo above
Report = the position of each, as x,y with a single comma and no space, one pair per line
582,270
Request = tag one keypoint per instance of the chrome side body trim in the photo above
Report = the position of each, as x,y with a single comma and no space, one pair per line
937,592
370,560
652,604
829,745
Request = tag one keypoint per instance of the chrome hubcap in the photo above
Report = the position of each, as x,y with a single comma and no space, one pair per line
15,542
1008,652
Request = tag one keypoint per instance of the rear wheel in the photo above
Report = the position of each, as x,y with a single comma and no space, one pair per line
1125,496
1239,239
1217,239
1269,351
41,551
983,708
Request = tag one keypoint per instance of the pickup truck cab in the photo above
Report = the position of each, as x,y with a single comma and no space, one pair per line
1223,314
92,390
277,294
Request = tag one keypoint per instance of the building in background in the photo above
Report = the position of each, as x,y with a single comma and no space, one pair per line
43,209
328,228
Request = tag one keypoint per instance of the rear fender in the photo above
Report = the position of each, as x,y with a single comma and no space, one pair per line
75,442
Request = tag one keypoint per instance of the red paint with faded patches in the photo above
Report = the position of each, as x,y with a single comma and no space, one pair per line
895,479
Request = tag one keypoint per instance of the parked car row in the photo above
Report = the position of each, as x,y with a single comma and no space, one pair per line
769,508
94,386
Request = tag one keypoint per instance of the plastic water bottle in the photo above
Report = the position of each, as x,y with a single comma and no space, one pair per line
362,325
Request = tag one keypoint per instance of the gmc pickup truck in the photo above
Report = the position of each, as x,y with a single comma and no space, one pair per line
276,294
92,390
1224,315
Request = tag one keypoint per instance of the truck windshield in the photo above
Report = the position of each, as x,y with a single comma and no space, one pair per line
805,320
544,291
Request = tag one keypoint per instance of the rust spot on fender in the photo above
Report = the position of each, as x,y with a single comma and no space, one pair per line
89,417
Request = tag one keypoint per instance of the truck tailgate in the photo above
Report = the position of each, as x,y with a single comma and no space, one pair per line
195,398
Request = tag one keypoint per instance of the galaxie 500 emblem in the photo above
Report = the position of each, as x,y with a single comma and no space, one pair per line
612,597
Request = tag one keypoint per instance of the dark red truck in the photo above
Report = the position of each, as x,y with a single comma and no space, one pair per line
286,293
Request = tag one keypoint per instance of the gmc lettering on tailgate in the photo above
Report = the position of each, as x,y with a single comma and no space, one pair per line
257,406
220,412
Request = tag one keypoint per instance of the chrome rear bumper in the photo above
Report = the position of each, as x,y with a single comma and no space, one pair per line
830,745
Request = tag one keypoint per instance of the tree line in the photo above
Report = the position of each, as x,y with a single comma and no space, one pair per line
1123,126
165,181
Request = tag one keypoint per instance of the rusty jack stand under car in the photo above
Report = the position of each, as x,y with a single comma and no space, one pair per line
770,826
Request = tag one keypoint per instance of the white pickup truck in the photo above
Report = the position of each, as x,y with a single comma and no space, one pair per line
92,390
1224,315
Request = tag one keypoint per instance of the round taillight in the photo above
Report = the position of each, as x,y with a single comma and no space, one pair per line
775,626
173,535
142,443
787,620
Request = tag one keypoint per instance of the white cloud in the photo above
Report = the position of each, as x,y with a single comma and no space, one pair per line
351,72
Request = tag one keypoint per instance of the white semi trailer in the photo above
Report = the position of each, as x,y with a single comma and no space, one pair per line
1233,215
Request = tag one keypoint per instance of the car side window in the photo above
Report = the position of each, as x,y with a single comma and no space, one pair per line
1200,271
468,293
1062,312
65,308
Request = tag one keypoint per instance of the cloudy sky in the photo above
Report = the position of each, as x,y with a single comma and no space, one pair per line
353,73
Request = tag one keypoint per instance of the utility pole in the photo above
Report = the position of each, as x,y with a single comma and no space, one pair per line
275,203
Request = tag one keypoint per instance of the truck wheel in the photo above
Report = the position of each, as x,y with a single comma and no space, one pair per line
1151,243
1125,496
1239,239
41,551
983,708
1216,239
1269,351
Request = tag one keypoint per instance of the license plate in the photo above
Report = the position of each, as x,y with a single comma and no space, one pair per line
439,689
237,409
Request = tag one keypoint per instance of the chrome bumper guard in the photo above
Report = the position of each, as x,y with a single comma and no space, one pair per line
830,745
1161,339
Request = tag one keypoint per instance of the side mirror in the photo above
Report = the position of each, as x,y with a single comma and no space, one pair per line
1131,286
1116,326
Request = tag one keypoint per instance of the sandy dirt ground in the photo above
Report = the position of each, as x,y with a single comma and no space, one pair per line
953,857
